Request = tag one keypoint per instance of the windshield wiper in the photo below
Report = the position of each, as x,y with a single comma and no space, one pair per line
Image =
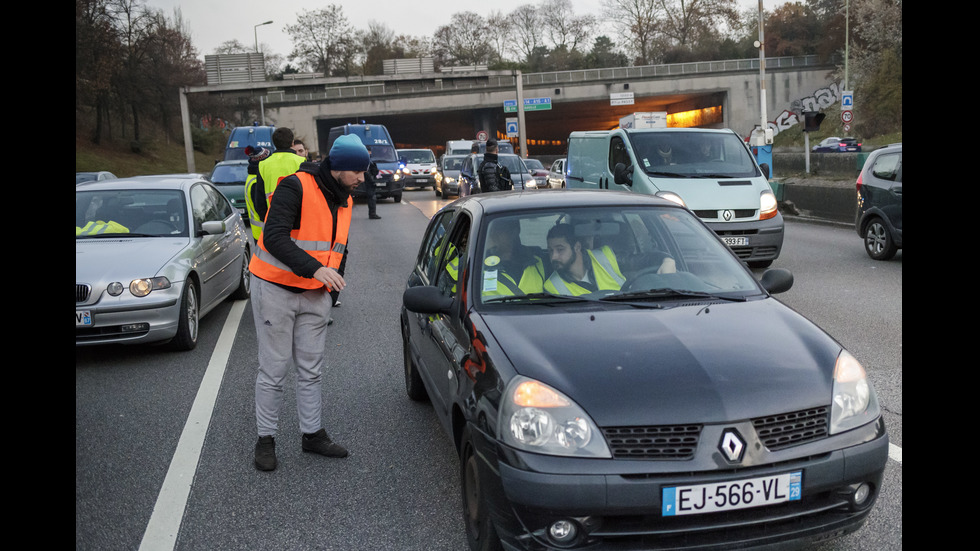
654,294
539,298
667,174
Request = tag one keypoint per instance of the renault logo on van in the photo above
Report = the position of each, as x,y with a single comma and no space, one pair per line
731,445
727,215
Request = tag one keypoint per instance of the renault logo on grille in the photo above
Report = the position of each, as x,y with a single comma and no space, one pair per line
728,215
732,445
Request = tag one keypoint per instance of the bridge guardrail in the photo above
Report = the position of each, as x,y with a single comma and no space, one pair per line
495,80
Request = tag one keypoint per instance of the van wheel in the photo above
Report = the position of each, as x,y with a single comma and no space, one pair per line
398,198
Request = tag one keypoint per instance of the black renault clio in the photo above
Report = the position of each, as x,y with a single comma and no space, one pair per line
614,378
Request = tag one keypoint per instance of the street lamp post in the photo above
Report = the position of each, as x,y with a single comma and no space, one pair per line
255,31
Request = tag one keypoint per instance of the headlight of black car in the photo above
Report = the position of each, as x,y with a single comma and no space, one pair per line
537,418
854,400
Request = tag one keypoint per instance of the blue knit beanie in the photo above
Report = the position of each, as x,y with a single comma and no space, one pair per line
348,153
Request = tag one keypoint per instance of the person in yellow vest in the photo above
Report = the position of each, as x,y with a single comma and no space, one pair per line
579,270
260,186
509,267
293,270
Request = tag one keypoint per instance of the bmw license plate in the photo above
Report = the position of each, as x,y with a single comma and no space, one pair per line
735,494
735,241
83,318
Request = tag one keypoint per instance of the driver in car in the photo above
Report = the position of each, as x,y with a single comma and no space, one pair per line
578,270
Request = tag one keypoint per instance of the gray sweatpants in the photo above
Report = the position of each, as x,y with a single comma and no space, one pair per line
291,329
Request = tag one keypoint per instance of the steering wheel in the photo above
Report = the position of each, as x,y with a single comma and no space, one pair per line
649,274
157,227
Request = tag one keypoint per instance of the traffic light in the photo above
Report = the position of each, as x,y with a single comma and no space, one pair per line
812,120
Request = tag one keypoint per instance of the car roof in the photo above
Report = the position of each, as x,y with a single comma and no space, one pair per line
515,201
160,181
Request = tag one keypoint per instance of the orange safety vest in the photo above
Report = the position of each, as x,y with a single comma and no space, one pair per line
313,236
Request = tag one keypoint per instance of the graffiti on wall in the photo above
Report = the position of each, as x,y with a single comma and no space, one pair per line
819,100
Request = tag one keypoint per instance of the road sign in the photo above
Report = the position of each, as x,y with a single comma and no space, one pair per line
846,116
621,98
847,100
530,104
482,136
512,127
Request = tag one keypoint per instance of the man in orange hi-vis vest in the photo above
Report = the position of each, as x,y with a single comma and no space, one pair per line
293,270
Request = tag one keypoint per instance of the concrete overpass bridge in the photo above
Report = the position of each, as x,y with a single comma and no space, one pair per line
427,109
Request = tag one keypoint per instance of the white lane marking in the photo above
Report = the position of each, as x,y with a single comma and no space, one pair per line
161,532
895,452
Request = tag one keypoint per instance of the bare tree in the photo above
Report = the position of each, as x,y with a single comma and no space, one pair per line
463,41
526,25
564,29
323,40
636,20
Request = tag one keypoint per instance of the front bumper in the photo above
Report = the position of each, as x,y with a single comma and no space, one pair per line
616,504
764,237
131,320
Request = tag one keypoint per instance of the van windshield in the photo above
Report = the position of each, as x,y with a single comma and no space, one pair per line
693,155
383,154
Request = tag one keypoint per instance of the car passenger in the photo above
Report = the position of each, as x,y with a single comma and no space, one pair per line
510,268
579,270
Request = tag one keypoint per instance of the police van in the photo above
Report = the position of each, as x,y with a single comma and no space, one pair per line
383,154
710,171
244,136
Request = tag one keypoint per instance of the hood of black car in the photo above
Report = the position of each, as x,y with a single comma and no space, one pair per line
698,363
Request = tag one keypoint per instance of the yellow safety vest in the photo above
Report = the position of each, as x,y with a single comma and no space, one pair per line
500,283
272,169
98,227
605,268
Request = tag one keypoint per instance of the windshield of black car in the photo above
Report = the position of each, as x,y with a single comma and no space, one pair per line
693,154
640,254
453,163
130,212
513,163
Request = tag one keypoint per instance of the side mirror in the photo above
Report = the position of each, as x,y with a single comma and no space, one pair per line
777,280
623,175
426,299
765,169
213,227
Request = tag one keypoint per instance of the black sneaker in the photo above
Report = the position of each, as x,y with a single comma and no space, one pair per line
265,453
319,442
374,217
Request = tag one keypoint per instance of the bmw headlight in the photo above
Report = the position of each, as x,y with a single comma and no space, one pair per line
537,418
854,399
143,287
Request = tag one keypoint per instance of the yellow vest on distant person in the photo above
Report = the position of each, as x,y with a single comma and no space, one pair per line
272,169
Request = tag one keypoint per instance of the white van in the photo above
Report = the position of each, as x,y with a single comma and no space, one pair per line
710,171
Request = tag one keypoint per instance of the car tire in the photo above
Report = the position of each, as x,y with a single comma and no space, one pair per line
398,198
244,280
438,193
480,532
413,381
878,242
189,318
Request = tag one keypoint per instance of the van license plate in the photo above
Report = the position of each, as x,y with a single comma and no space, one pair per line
735,241
735,494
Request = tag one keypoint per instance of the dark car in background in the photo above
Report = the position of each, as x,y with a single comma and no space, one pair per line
448,178
229,177
520,175
879,202
838,145
538,171
683,408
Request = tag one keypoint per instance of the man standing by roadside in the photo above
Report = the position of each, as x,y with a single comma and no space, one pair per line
293,271
258,190
370,178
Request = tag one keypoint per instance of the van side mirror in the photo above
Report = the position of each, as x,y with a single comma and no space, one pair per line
623,175
765,169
